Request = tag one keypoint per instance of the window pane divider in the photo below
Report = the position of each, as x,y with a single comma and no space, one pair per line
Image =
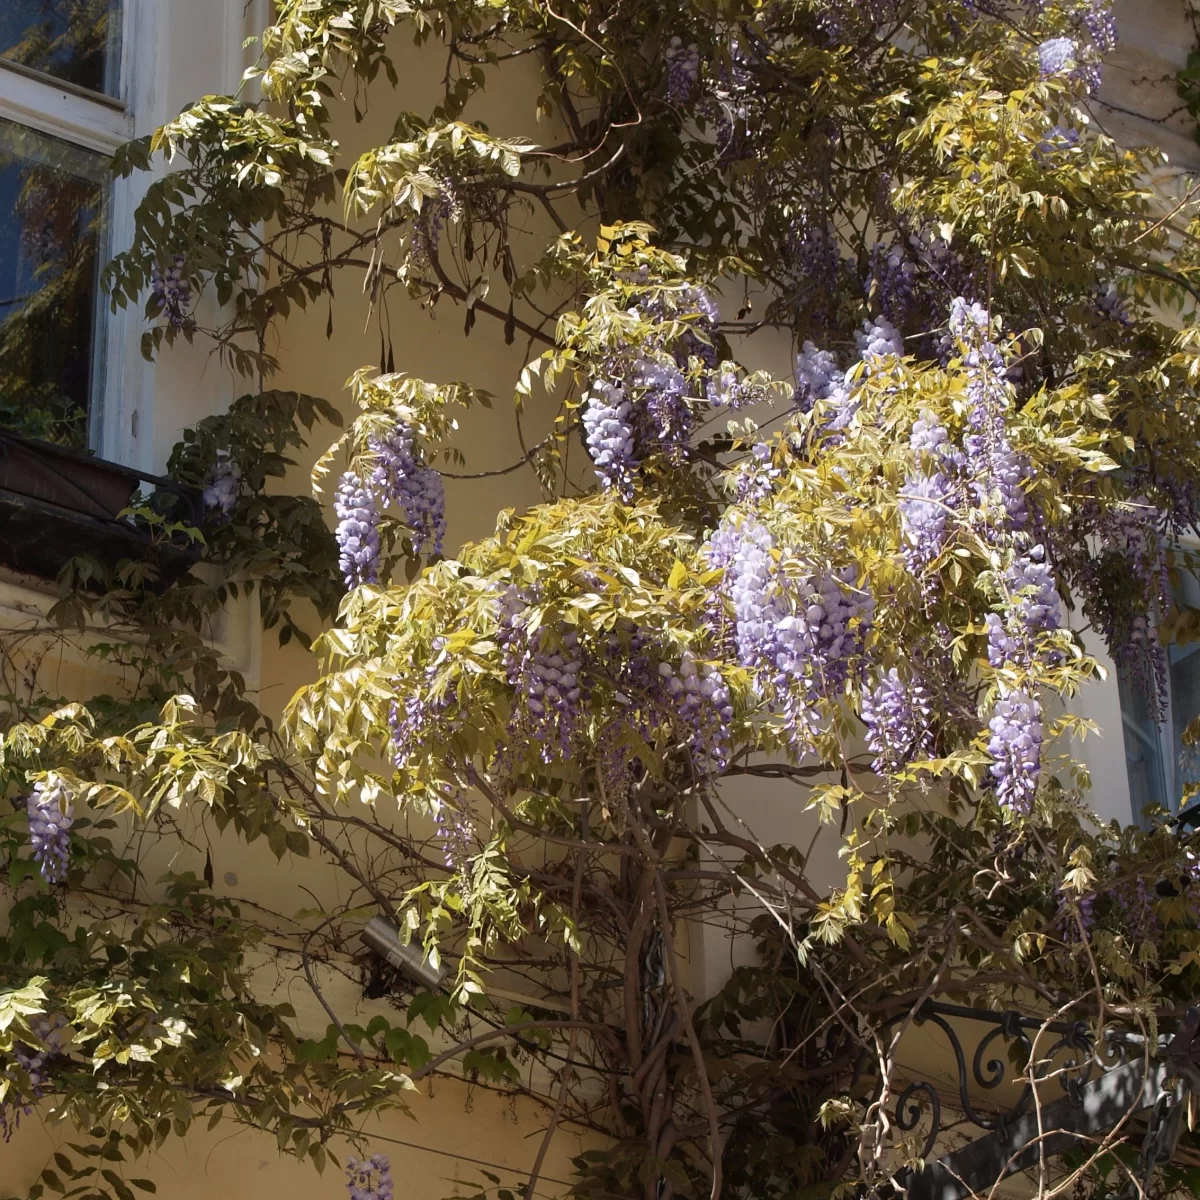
62,110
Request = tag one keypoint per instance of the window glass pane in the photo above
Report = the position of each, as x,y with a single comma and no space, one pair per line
1184,669
51,212
75,40
1143,750
1160,766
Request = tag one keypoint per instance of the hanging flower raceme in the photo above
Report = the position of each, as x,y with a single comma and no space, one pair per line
998,472
399,479
608,432
898,715
683,70
370,1178
357,531
543,668
799,635
705,709
50,820
1016,748
52,1034
416,491
172,291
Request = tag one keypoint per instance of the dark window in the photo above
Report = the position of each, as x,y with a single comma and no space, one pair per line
1160,766
51,215
74,40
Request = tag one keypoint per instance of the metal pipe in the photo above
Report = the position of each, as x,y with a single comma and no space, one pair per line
383,938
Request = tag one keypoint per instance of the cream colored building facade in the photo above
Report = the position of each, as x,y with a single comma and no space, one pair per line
173,52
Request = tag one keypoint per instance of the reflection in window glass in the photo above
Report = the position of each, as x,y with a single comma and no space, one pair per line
1160,766
1184,670
51,209
75,40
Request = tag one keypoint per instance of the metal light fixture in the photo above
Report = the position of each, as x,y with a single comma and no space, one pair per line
383,938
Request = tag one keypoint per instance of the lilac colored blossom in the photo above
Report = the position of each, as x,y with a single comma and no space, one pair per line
424,707
798,635
897,714
930,437
664,410
704,708
1136,903
821,382
999,472
1101,25
1016,748
1033,607
417,492
357,531
53,1034
940,262
1057,140
544,672
453,821
753,587
608,433
728,387
816,373
925,509
758,477
1074,910
224,486
683,70
50,820
1111,304
813,257
1031,583
444,205
894,280
370,1178
722,545
172,291
879,340
1057,56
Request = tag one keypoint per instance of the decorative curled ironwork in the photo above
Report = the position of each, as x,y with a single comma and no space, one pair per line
909,1110
1071,1060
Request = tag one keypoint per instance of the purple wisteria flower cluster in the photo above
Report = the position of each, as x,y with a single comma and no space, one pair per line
172,291
1130,553
444,205
223,487
800,634
50,820
543,668
932,494
898,714
400,479
357,531
683,70
1016,749
641,406
1032,607
705,709
998,472
52,1034
370,1178
914,277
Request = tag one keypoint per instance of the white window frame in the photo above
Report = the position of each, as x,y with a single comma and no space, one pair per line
123,410
102,123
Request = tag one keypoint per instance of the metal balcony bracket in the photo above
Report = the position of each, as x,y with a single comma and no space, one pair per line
1098,1090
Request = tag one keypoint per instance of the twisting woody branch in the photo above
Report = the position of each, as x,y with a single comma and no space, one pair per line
866,589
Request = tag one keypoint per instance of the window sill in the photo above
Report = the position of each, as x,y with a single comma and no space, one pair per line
57,504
